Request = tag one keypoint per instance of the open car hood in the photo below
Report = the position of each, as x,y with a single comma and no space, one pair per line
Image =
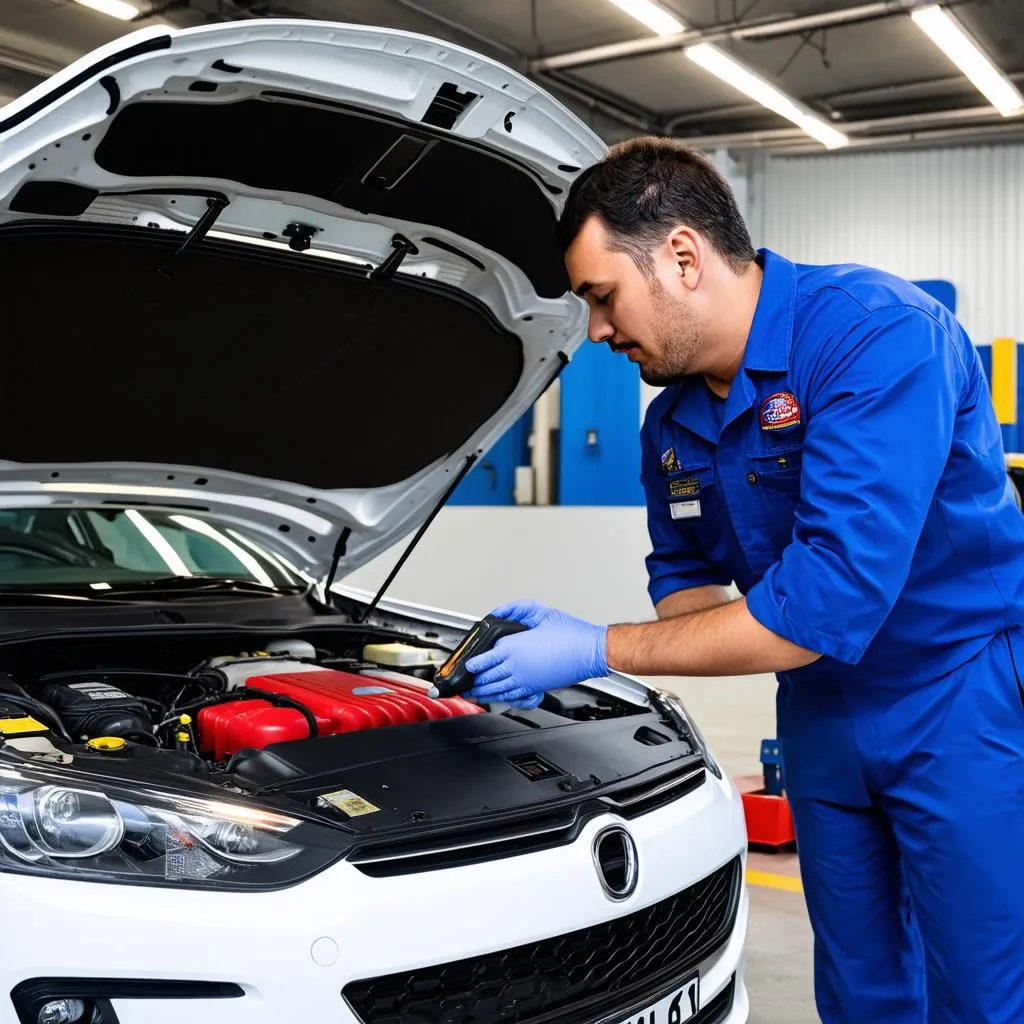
371,293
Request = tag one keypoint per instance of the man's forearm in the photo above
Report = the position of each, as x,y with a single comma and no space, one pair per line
725,640
693,600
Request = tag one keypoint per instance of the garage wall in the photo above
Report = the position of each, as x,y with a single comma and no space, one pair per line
956,214
588,561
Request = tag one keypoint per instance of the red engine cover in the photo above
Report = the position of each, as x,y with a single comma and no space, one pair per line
339,701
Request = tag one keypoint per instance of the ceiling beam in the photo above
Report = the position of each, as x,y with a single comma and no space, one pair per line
1001,132
764,28
968,118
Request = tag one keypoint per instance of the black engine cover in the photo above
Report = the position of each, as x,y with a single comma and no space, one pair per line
96,708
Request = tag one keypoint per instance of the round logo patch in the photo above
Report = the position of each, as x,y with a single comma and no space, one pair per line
780,410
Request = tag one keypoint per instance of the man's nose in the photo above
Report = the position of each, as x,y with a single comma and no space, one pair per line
600,329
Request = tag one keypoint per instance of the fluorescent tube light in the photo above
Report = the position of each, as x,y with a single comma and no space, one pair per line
948,35
656,18
733,73
115,8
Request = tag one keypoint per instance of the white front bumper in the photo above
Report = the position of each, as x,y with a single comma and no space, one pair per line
266,942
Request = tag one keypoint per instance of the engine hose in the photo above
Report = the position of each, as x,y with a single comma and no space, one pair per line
286,702
249,693
136,734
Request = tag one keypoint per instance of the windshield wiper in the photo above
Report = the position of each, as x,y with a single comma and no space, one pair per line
197,585
14,595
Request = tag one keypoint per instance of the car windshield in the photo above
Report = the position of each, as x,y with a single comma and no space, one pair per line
93,547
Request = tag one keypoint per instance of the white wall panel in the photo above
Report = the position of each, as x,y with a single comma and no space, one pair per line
956,214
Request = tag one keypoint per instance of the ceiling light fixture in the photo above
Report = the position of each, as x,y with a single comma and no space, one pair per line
115,8
714,60
951,38
733,73
656,18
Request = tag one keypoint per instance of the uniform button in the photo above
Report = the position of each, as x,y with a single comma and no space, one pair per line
752,478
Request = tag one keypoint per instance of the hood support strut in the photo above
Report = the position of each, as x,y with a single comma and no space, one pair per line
459,477
214,208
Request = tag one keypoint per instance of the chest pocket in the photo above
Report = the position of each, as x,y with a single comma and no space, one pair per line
778,469
778,474
695,501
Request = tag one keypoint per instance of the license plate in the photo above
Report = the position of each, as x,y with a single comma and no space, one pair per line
677,1007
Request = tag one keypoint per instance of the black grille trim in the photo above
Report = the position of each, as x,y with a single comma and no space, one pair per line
586,975
474,847
637,800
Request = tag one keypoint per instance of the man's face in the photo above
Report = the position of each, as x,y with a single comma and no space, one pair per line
652,320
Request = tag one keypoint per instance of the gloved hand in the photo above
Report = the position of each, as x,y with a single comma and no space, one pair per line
556,650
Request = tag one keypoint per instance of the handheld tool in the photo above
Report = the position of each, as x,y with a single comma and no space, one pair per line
452,678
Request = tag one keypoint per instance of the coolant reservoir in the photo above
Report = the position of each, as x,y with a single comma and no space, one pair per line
398,655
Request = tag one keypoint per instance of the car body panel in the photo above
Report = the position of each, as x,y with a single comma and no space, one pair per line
54,136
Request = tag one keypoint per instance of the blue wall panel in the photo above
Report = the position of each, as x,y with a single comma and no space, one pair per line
985,353
600,403
944,291
492,480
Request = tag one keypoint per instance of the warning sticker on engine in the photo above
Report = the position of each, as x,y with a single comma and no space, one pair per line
351,803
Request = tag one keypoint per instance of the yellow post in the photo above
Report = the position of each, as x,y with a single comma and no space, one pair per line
1004,389
1004,379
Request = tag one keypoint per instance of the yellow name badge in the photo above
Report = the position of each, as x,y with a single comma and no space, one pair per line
685,509
678,488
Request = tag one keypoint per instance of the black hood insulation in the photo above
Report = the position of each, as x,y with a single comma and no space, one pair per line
278,365
379,166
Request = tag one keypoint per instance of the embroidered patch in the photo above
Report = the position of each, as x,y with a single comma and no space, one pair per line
678,488
685,509
669,462
780,410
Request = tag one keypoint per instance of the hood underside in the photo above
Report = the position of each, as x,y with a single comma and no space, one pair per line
297,274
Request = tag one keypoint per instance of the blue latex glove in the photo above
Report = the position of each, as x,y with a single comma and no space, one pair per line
556,650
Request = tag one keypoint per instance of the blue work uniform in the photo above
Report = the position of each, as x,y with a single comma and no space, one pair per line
852,485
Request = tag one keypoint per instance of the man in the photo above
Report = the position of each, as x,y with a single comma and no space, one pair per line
825,441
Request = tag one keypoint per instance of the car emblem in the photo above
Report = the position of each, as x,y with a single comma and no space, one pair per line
616,861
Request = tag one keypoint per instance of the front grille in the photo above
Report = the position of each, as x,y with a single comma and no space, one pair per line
570,979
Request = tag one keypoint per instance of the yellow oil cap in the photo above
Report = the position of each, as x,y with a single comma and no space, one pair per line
107,744
185,719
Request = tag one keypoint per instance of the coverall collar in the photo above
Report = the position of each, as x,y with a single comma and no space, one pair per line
767,350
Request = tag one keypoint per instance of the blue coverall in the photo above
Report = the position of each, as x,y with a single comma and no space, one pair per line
853,487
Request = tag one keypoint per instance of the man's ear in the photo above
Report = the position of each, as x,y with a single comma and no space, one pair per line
686,251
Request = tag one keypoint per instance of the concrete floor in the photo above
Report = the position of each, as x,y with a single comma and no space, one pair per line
733,715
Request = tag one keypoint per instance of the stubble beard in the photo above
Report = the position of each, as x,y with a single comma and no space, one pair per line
677,335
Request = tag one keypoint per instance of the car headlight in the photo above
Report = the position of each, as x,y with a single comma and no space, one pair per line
69,829
677,707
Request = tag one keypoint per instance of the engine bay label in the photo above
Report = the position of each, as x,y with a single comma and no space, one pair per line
351,803
99,691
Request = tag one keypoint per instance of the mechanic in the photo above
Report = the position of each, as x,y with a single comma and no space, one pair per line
826,441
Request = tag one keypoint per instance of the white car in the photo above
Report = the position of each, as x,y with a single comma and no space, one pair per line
269,289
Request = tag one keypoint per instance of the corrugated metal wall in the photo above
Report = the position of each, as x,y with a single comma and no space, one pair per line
956,214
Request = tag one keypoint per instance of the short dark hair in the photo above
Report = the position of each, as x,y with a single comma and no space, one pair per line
646,186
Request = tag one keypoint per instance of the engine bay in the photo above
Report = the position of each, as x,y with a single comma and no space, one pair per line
216,755
127,697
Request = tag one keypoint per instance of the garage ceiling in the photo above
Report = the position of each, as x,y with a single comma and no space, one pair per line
862,66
